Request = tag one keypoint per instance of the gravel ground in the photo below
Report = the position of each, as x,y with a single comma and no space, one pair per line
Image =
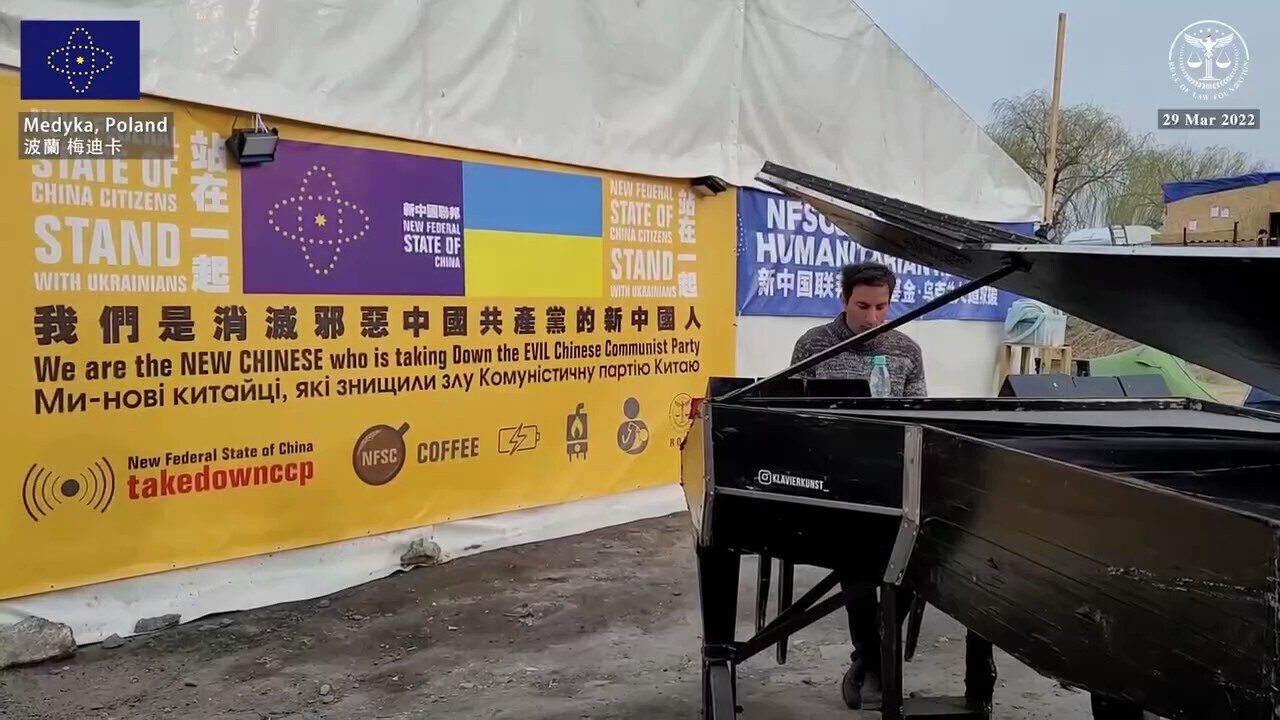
602,625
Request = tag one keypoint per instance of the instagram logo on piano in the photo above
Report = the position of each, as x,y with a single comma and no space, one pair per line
766,478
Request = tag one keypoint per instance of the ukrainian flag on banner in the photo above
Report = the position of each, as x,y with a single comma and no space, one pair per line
532,233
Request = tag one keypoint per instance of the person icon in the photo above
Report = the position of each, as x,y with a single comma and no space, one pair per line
633,434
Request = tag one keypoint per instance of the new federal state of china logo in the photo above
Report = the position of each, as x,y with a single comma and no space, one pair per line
80,60
319,220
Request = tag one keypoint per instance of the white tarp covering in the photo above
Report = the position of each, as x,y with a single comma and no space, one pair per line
675,88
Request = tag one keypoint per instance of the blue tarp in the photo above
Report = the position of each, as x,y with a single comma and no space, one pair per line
1262,400
1174,191
1025,228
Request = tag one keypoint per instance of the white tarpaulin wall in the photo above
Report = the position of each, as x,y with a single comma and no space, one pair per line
674,88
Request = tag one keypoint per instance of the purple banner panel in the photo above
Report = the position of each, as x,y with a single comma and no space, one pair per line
331,220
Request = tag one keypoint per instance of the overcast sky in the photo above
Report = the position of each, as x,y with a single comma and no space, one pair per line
1116,56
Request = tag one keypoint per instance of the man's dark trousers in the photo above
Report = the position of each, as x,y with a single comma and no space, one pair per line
863,607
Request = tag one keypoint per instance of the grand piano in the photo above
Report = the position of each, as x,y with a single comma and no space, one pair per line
1127,546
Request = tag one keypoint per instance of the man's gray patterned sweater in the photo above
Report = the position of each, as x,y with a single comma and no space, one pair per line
902,356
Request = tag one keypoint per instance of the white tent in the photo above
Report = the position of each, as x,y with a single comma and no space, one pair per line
674,88
677,88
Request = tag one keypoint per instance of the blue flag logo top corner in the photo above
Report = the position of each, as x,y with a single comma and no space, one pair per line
789,261
81,60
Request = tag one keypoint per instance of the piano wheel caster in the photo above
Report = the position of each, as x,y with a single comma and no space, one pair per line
718,686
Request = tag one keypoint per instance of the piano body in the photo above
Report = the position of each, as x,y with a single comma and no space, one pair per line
1126,546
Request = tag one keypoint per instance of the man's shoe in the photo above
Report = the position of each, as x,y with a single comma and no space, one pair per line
861,689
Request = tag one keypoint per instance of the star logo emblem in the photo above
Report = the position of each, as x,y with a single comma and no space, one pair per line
79,60
319,220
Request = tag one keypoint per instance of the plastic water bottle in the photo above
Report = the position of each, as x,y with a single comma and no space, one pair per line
880,385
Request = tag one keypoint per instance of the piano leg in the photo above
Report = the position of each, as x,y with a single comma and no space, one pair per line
915,618
979,673
718,597
895,603
786,585
764,574
890,653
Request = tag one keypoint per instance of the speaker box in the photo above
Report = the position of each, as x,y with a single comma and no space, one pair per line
1145,386
1059,385
1099,387
1047,385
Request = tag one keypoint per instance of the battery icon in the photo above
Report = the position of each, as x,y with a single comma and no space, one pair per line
518,438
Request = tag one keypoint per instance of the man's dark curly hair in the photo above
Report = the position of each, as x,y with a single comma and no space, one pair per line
865,273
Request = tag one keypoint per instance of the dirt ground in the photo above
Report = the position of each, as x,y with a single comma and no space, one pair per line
602,625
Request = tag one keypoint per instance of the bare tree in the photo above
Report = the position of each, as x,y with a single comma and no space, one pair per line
1105,173
1142,200
1094,154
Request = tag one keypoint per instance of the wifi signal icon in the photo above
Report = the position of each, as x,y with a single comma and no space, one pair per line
43,490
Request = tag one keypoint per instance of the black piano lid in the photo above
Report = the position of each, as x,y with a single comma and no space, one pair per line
1218,307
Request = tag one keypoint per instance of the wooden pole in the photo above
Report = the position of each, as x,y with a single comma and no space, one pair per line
1051,153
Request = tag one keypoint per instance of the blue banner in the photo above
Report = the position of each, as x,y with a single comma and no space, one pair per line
80,60
789,260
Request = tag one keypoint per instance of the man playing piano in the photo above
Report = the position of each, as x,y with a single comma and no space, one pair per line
865,293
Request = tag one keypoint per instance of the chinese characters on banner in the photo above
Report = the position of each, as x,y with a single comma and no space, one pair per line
789,261
363,336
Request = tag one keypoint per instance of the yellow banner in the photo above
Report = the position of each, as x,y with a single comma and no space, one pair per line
362,336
